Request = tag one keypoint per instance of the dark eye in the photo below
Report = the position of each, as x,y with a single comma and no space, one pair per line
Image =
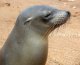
47,15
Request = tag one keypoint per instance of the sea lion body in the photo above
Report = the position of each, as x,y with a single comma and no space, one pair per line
28,42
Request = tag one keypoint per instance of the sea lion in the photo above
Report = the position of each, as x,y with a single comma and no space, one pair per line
28,42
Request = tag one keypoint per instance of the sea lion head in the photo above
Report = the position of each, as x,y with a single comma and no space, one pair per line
42,18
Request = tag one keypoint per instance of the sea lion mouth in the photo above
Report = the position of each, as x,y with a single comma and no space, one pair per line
58,25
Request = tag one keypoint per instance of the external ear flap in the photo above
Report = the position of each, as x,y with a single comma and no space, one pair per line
28,20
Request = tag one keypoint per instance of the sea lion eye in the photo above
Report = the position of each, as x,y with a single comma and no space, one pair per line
47,15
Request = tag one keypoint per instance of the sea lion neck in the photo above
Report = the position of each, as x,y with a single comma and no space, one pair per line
22,35
35,32
38,31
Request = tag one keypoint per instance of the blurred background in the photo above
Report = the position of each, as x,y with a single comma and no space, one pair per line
64,42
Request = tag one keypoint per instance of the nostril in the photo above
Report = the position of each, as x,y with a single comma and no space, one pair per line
69,14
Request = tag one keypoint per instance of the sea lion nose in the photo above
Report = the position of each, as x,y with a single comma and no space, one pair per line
68,13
